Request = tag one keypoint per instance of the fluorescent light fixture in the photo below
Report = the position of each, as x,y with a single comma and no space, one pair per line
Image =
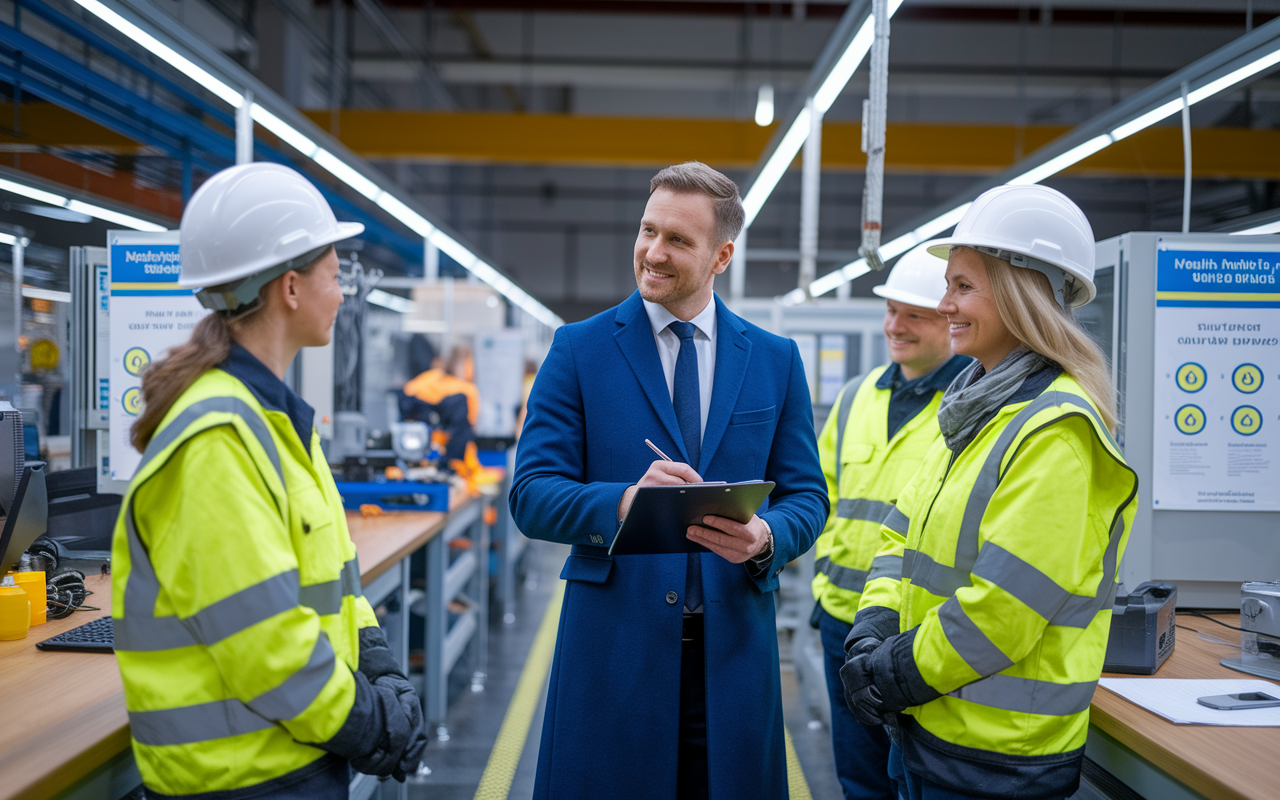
392,301
1266,227
113,216
764,105
347,174
410,218
32,192
793,140
10,239
283,130
299,141
774,168
1049,168
166,53
45,294
1060,162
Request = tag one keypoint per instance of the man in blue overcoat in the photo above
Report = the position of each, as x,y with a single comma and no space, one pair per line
665,682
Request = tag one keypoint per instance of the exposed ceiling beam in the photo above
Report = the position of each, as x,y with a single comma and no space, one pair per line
730,144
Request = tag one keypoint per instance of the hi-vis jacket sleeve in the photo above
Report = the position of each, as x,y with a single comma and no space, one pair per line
224,560
827,456
884,583
1045,524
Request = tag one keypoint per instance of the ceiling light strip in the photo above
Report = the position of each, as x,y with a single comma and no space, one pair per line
331,163
1052,166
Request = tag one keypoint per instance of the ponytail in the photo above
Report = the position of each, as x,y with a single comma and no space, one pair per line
164,381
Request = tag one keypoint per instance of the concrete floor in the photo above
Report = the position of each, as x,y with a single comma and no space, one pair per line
475,718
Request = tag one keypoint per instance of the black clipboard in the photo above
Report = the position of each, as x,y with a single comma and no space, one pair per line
660,516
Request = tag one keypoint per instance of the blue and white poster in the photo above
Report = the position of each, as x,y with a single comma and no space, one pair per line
150,313
1217,373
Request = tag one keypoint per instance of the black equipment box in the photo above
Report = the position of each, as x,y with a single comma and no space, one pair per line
1142,629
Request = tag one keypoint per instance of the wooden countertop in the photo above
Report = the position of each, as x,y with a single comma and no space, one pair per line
64,712
1218,762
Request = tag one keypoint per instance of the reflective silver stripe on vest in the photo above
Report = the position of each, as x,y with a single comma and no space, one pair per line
245,608
199,723
967,639
897,522
214,405
222,718
886,566
140,630
300,689
326,598
863,509
1027,696
850,392
942,580
847,578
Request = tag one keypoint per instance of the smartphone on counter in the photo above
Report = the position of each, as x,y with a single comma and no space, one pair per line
1238,702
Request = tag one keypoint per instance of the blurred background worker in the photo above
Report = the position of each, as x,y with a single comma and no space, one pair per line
884,423
252,665
986,651
448,392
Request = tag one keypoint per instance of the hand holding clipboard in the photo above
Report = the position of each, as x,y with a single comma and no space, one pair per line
675,515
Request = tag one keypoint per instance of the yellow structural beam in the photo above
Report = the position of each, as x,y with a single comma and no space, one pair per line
649,142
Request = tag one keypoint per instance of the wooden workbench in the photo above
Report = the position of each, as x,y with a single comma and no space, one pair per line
64,712
1221,763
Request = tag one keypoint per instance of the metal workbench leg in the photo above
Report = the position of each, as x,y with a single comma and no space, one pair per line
435,677
480,647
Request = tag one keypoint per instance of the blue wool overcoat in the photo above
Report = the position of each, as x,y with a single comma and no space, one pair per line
611,725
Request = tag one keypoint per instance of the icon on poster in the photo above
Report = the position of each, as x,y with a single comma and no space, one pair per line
132,401
1191,377
135,358
1246,420
1247,378
1190,419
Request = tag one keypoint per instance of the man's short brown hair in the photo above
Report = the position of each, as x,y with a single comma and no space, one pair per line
694,177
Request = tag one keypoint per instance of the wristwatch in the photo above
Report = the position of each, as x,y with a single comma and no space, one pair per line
761,562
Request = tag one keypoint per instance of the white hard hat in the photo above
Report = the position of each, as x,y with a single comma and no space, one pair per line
918,279
1034,227
252,223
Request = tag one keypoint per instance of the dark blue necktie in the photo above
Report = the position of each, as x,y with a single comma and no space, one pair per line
687,400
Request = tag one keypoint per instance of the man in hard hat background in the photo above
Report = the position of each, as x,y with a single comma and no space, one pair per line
882,424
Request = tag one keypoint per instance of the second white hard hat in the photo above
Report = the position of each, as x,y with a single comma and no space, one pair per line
1033,227
251,220
918,279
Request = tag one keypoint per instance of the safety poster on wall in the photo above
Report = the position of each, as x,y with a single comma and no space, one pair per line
1217,374
149,313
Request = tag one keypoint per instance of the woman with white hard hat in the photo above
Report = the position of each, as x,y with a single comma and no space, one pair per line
252,664
983,655
882,425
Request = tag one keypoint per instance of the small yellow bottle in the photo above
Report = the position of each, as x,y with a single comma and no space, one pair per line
15,610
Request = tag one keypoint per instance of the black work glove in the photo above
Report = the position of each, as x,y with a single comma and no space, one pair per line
376,658
410,708
860,692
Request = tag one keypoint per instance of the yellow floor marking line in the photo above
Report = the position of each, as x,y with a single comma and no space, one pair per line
795,773
495,784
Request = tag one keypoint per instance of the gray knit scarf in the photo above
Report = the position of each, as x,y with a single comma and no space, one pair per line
975,395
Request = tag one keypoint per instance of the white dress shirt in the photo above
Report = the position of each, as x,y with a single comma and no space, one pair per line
704,342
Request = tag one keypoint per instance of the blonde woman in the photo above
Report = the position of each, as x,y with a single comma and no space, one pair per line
252,665
983,655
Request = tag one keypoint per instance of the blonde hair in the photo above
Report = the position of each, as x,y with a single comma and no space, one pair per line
1028,309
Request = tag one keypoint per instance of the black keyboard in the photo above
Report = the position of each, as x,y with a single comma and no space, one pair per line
91,637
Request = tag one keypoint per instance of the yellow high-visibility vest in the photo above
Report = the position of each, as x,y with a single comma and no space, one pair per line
236,596
1010,556
863,484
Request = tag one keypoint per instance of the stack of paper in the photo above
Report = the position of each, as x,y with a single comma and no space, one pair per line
1175,700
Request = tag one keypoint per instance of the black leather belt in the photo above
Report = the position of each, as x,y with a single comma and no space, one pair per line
691,629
